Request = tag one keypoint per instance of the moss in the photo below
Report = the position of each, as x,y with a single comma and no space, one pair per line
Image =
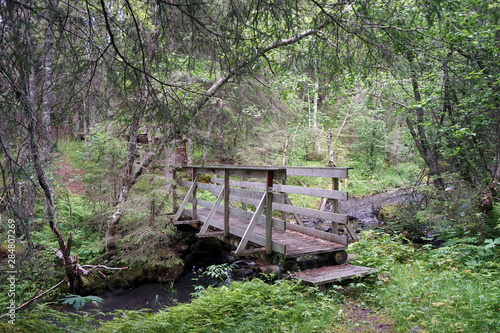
389,213
8,328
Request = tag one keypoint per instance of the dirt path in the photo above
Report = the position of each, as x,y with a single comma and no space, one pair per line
70,176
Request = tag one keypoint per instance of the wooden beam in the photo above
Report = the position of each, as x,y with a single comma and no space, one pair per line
213,210
240,183
237,171
277,224
318,234
297,217
184,202
194,176
315,192
210,234
318,172
253,222
351,232
329,216
269,212
226,202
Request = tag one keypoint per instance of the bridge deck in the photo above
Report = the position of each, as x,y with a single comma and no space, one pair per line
292,242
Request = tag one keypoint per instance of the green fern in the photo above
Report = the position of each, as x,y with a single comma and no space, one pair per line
78,301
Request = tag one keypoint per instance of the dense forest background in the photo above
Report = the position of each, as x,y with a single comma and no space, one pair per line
407,92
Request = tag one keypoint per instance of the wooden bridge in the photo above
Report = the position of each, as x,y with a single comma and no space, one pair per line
274,225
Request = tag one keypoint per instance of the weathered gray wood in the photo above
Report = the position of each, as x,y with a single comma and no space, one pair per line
269,212
250,252
253,222
329,274
235,194
254,194
297,217
351,232
194,177
195,221
235,171
184,202
277,224
317,172
259,240
283,214
329,216
210,234
318,233
335,187
315,192
226,202
201,186
240,183
213,210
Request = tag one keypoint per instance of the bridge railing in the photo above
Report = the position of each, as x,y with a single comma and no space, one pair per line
262,187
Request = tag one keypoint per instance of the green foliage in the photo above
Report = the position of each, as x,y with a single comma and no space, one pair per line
450,214
253,306
104,158
444,290
381,250
78,302
220,272
44,318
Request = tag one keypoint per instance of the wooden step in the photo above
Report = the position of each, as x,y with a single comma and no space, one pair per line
250,252
326,274
210,234
187,222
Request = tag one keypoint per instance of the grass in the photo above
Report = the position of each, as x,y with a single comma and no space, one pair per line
252,306
450,289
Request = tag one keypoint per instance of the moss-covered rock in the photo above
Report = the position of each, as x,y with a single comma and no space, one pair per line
388,213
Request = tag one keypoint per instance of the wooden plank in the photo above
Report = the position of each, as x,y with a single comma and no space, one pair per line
351,232
226,203
329,274
318,233
202,186
238,231
194,177
210,234
236,171
250,252
297,217
239,183
269,212
317,172
184,202
329,216
278,224
196,221
315,192
253,222
235,194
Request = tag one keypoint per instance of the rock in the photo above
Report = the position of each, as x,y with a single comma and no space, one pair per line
417,329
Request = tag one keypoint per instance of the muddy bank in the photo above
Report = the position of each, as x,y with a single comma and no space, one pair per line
366,209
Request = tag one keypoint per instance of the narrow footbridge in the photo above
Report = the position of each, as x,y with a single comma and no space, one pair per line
253,206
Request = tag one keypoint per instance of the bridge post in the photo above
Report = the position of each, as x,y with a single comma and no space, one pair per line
195,179
335,208
269,212
226,202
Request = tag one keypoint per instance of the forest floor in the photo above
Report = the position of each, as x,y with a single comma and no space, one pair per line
70,176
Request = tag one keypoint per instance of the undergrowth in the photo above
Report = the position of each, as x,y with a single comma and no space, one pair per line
252,306
449,289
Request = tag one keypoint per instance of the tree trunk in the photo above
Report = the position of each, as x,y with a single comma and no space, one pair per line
331,162
428,152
